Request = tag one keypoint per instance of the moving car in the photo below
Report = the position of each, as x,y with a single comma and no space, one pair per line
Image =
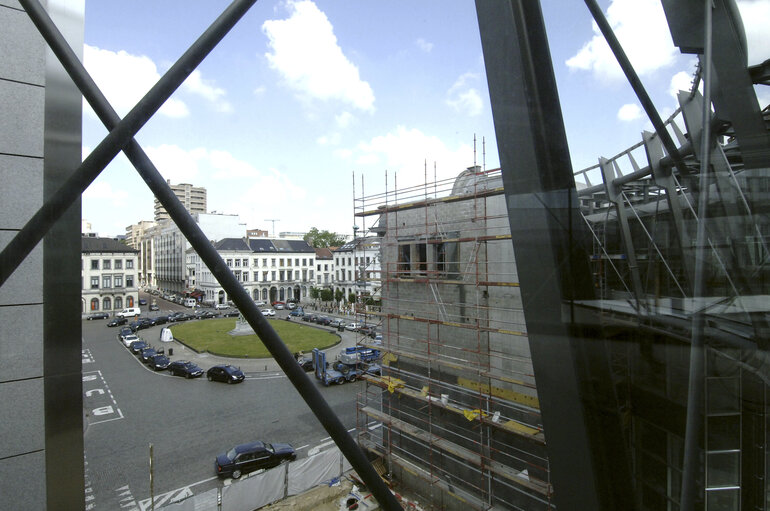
305,363
154,307
142,301
184,368
246,458
268,312
97,315
353,327
225,373
297,312
117,321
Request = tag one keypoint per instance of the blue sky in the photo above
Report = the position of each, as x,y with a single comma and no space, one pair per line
302,94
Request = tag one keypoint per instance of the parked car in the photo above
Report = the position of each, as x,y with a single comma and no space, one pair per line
308,317
146,353
336,323
305,363
368,330
161,320
297,312
268,312
323,320
353,327
117,322
221,306
128,339
124,332
158,362
260,303
184,368
233,313
129,312
136,347
225,373
97,315
291,305
140,324
276,303
246,458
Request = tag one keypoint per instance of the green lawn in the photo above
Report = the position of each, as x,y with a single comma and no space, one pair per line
211,335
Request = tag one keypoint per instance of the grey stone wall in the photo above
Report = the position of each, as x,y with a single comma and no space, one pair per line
39,123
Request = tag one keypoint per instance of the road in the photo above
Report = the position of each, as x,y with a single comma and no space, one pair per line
127,407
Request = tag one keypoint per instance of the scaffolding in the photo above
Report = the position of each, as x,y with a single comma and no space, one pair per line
454,414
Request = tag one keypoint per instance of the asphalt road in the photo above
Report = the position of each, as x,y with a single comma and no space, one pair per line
127,407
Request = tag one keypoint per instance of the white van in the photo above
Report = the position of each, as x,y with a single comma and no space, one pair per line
129,312
190,302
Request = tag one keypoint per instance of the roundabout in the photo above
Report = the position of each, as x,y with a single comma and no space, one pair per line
213,336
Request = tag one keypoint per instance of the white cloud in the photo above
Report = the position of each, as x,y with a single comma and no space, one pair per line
124,78
343,154
174,163
258,91
102,190
629,112
424,45
755,15
331,139
306,53
641,28
464,98
344,119
195,84
406,151
682,81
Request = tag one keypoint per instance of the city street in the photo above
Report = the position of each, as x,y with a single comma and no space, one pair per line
127,407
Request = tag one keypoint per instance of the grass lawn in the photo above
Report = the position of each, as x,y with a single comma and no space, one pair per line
211,335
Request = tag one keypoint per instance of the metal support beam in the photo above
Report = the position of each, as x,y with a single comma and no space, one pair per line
586,447
615,196
664,178
208,254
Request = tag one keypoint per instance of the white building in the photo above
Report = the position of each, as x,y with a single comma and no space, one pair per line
108,275
170,247
357,268
192,197
269,269
139,236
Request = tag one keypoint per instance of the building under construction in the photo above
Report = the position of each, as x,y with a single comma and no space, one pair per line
457,399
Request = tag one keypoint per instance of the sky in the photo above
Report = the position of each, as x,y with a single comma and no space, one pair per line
308,102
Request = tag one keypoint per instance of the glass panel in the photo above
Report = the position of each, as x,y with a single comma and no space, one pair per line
723,395
723,500
724,432
724,469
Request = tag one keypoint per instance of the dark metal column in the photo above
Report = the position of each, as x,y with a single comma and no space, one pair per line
586,451
62,358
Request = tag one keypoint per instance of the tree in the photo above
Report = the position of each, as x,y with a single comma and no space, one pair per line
323,239
314,293
352,298
326,294
338,294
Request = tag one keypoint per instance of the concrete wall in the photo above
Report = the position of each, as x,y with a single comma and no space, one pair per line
32,431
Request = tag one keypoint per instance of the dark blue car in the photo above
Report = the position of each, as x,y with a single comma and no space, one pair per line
246,458
225,373
184,368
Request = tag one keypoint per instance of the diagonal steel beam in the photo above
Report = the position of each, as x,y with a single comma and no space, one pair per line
636,84
211,258
34,230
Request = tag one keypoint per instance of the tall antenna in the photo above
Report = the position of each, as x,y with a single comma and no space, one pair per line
274,220
474,150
